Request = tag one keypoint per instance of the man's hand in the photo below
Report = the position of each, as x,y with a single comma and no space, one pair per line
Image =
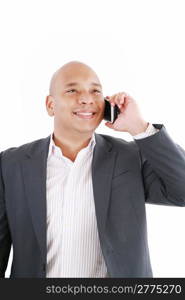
130,119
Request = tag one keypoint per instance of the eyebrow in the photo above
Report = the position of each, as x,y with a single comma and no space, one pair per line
76,83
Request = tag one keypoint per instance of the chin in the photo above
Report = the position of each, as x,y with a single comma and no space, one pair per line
87,129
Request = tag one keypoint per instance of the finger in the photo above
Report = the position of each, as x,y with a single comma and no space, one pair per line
112,102
122,98
119,100
109,99
116,99
112,99
108,124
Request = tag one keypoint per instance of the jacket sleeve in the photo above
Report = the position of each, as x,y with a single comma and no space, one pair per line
163,168
5,238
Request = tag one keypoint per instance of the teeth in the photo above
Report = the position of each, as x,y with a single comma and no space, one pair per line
85,114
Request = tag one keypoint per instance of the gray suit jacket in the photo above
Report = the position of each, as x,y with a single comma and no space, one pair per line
125,176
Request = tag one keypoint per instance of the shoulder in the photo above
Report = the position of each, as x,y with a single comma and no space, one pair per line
128,155
16,153
120,143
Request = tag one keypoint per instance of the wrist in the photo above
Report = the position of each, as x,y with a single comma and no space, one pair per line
141,127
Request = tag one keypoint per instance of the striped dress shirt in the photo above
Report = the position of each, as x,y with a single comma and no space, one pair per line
73,247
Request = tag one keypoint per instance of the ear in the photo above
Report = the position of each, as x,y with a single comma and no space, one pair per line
50,105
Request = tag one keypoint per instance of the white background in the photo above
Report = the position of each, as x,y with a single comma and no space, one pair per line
134,46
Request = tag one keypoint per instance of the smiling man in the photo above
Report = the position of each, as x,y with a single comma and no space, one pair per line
77,104
73,204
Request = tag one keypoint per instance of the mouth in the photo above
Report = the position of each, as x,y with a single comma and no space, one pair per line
85,115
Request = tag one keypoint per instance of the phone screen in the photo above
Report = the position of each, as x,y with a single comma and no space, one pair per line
110,112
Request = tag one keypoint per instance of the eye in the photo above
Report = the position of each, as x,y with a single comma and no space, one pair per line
97,91
71,91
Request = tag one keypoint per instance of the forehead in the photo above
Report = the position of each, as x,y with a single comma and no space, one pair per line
73,84
78,75
73,75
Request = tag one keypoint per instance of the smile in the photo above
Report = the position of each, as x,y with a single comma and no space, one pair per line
85,115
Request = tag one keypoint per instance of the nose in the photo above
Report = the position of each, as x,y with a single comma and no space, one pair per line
85,99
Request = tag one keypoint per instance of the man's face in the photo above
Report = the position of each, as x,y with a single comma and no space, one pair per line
78,102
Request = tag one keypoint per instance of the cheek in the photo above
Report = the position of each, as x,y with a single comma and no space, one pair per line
63,114
102,107
61,108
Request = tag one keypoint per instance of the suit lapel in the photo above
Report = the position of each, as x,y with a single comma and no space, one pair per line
34,177
102,170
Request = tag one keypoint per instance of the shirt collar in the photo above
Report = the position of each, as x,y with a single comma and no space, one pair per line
53,147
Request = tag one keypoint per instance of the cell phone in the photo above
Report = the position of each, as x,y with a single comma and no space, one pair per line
110,112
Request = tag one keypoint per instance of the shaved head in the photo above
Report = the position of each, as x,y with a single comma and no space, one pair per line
75,86
63,75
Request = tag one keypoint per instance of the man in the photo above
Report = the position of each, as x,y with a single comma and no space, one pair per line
73,204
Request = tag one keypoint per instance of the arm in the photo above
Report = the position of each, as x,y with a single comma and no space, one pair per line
149,131
163,168
162,161
5,238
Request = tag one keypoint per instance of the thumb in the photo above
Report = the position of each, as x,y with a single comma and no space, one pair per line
108,124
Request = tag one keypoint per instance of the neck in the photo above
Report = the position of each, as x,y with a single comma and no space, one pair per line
70,143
